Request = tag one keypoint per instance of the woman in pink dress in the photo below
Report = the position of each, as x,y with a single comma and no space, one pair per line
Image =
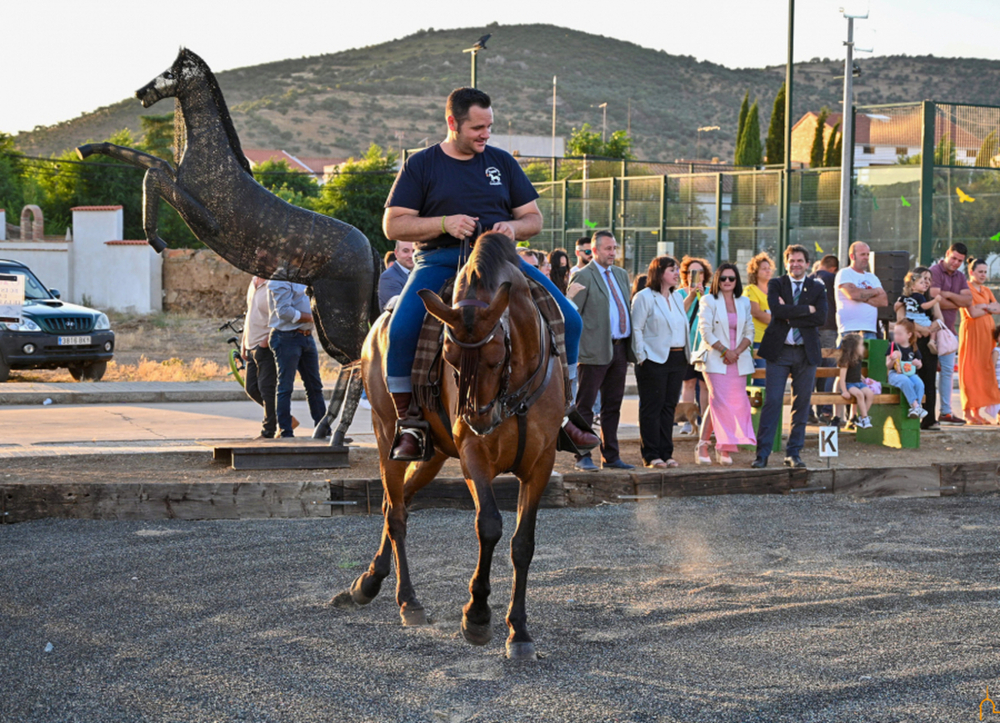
727,332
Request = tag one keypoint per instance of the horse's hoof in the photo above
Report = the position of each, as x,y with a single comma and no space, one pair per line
339,440
521,651
413,617
358,596
158,244
83,152
343,600
477,633
322,431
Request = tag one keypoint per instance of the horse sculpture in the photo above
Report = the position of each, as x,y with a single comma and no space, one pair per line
215,193
504,355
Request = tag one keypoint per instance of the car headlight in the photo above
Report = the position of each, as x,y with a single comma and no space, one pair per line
102,322
25,325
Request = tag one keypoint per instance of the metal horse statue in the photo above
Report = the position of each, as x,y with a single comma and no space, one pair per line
499,412
215,193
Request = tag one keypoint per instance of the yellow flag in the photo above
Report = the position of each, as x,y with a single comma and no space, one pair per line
819,249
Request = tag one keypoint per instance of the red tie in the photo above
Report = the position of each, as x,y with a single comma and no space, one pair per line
618,302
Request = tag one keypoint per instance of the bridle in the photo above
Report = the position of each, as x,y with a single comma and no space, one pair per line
504,405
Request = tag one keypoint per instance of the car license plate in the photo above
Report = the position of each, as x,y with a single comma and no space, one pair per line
73,340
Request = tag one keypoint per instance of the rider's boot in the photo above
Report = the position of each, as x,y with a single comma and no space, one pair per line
408,440
581,438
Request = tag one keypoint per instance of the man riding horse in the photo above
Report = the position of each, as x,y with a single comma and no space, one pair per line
440,197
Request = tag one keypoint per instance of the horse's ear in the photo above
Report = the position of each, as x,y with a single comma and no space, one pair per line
499,304
438,309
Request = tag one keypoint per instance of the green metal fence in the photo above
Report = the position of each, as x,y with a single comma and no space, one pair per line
926,175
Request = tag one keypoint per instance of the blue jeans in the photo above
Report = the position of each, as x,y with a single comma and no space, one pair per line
431,268
945,382
296,352
792,361
758,364
911,387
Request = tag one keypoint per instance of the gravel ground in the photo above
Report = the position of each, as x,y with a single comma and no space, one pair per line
736,608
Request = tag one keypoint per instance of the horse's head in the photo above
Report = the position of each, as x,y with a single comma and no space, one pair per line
477,346
167,84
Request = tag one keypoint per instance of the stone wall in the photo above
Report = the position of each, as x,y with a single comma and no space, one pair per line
200,282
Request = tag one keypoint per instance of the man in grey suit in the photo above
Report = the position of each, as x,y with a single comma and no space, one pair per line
605,347
392,280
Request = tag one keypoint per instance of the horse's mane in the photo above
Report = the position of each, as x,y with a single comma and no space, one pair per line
180,130
488,265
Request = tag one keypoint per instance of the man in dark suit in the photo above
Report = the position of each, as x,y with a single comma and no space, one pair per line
605,346
790,346
392,280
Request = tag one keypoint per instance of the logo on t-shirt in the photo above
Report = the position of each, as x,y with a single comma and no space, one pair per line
493,173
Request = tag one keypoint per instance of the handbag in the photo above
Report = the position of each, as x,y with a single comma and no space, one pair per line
875,386
947,342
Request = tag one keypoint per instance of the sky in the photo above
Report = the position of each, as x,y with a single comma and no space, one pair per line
62,58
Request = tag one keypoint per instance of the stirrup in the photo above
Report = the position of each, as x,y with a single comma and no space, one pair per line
421,430
563,441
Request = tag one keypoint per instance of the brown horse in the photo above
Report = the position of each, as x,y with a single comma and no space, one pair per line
503,354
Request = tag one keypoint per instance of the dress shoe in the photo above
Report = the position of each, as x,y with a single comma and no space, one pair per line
759,463
794,461
586,464
618,464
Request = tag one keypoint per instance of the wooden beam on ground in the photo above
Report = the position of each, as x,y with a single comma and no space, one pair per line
166,501
970,477
276,454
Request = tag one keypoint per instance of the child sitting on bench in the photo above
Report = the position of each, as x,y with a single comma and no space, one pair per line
852,386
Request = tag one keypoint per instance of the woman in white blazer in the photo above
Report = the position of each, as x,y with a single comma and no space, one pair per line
662,347
726,324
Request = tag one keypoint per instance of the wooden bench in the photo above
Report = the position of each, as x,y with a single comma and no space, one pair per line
891,424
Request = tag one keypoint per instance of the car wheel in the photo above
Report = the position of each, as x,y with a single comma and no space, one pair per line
93,372
76,371
4,370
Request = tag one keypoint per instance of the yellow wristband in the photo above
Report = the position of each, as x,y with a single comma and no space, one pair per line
442,225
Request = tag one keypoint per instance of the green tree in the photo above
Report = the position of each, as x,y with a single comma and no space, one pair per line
619,145
944,152
748,150
775,144
158,135
832,158
356,195
741,124
584,142
988,150
11,176
818,144
277,175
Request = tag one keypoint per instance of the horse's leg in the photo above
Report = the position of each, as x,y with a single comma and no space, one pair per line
369,583
157,184
354,388
128,155
340,386
489,528
522,548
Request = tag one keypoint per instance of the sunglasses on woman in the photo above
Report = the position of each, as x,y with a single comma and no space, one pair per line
727,278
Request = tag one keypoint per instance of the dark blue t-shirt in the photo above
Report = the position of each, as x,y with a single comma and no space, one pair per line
489,186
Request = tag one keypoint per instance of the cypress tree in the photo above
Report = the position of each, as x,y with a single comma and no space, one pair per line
742,122
989,149
749,151
832,160
816,154
775,146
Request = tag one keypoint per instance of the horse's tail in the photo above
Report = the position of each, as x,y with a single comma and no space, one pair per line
374,308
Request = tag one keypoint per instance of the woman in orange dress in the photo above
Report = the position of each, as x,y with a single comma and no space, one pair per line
976,376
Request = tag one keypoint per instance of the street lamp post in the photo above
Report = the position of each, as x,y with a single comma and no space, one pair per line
604,122
847,134
474,50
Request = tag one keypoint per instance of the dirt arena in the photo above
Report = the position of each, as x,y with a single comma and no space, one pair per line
737,608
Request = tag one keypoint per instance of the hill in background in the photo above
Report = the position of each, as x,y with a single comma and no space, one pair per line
337,105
